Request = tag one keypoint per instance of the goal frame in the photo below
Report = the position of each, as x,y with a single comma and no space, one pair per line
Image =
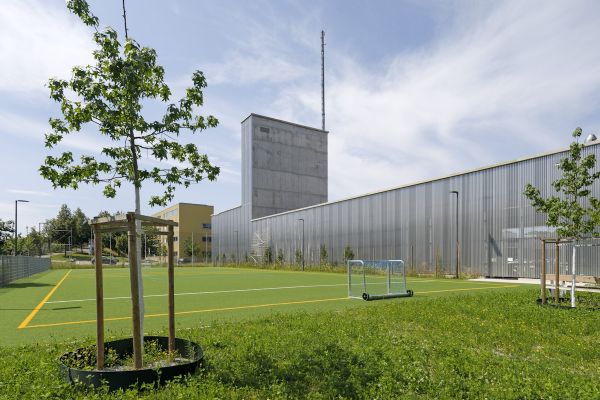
365,295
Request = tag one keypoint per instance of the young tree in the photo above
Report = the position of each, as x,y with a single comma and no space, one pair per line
268,255
280,256
110,95
188,246
323,254
573,212
348,253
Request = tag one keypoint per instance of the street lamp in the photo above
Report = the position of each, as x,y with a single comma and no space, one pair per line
591,138
457,241
16,238
302,219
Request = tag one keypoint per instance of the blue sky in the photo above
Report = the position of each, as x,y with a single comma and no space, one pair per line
415,89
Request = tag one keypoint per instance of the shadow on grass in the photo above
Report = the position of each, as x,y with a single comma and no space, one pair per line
40,310
23,285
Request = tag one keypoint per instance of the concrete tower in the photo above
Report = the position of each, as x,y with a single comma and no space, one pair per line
284,166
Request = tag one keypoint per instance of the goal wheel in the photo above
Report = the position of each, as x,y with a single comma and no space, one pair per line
410,293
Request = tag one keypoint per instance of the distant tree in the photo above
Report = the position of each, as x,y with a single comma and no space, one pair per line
81,229
348,253
6,233
280,257
323,254
268,255
121,243
574,212
35,242
188,245
152,240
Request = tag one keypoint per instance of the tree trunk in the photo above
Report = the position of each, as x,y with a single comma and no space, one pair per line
138,231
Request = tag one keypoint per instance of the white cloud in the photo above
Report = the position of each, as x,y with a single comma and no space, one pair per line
504,84
32,128
39,40
29,192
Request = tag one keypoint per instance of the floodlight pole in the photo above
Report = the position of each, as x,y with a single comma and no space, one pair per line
457,239
16,215
302,219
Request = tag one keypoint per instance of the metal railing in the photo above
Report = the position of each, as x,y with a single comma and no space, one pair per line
17,267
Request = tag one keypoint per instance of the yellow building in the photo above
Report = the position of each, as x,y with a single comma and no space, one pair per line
194,227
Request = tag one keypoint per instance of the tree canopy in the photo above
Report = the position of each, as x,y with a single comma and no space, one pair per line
110,95
574,212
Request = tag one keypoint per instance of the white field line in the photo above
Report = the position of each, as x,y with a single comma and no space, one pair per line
200,293
220,292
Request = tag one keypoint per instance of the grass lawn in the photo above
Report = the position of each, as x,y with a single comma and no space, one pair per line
273,334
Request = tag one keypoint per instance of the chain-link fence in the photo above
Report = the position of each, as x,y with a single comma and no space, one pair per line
17,267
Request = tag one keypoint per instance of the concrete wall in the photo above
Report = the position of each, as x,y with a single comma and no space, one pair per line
284,165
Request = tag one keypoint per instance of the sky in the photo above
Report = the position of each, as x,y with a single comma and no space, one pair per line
414,89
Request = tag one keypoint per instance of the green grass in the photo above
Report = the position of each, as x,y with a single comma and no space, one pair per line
490,343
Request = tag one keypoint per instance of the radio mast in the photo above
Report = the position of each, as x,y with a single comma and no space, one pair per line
323,79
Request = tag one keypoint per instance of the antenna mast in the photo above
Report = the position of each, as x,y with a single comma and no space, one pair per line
323,79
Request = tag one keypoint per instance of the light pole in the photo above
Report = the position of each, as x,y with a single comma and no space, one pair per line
237,248
457,241
302,219
40,232
16,237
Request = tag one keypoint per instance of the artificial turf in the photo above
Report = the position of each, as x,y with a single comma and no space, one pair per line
203,295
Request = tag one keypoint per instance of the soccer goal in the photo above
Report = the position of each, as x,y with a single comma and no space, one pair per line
377,279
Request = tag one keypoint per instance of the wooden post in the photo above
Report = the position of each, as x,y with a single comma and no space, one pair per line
557,272
99,299
171,273
135,305
543,272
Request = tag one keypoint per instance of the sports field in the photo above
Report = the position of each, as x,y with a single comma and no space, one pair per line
60,304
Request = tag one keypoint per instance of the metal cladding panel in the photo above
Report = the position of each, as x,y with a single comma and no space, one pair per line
498,230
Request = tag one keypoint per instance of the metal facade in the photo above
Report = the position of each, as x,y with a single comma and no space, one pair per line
498,229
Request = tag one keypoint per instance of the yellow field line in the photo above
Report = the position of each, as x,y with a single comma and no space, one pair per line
44,300
89,321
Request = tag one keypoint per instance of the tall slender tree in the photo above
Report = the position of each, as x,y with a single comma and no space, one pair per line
110,95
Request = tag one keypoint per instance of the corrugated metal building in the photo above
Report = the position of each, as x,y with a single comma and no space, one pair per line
498,230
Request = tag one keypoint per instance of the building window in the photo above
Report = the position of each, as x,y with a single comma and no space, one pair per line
206,226
207,239
171,213
174,238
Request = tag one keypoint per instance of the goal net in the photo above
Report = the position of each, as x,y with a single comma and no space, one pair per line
377,279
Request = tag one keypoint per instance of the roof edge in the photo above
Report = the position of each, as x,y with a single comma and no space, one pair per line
284,122
470,171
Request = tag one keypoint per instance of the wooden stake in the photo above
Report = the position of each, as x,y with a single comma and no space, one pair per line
557,272
171,272
543,272
99,299
135,306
